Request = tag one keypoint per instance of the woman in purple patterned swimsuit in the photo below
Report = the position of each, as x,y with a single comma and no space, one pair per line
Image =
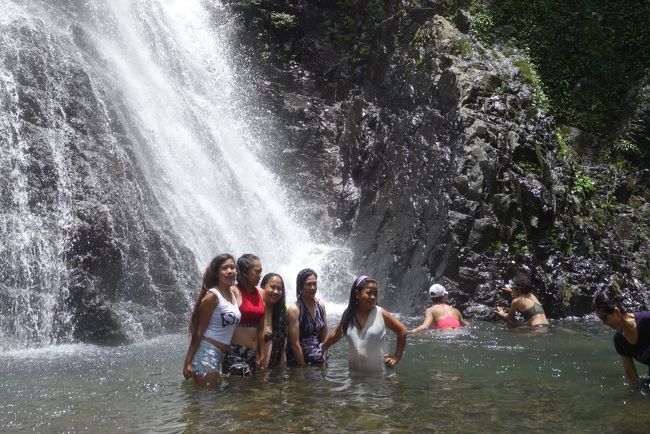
307,323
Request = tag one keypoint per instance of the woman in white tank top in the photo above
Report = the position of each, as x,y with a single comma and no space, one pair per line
364,325
213,322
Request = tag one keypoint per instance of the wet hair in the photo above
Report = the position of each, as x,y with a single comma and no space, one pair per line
278,323
302,277
210,280
609,299
244,264
522,282
350,312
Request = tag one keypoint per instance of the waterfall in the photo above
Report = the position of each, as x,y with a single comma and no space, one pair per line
126,163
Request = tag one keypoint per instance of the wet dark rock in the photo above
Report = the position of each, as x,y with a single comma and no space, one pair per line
435,163
121,264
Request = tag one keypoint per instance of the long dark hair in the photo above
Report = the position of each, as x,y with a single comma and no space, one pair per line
244,263
210,280
302,278
609,299
350,311
278,323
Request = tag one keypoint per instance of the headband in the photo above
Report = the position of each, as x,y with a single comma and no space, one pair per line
360,281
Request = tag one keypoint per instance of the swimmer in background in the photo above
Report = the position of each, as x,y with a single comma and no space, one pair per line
441,315
523,301
363,323
632,337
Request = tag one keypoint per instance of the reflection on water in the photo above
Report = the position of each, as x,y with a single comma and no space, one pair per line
481,379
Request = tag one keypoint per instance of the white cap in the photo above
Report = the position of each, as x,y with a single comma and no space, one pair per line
437,291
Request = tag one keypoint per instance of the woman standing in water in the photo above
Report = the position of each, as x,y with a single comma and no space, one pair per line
364,325
307,323
245,353
524,302
632,337
441,315
213,322
275,320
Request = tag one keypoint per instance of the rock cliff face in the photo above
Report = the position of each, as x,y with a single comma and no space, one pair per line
86,254
432,156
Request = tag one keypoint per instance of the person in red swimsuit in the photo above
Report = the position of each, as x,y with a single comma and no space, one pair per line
441,315
245,354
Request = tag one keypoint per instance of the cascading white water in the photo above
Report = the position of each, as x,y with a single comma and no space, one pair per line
31,256
172,65
167,63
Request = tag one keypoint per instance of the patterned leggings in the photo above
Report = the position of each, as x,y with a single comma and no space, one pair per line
240,361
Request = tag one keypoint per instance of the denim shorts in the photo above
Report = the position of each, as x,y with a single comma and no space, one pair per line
207,359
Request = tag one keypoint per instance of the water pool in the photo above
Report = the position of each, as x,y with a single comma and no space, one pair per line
482,379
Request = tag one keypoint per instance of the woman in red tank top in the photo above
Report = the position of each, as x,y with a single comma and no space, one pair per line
245,353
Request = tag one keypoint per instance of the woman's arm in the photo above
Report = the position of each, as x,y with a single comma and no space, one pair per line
460,318
333,338
261,354
398,328
323,333
630,370
206,307
428,320
293,319
510,316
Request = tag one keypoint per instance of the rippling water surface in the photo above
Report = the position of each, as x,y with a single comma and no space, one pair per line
482,379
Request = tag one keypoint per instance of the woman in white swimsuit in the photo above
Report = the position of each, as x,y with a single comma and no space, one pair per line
364,325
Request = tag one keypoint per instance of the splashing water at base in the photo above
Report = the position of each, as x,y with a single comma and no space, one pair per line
162,93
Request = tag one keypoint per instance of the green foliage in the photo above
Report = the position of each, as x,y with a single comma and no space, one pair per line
560,242
587,52
563,142
621,148
355,32
246,3
283,20
482,25
529,72
495,246
529,167
361,51
461,47
583,185
519,245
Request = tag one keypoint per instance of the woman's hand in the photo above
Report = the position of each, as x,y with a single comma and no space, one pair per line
260,362
502,313
391,360
187,371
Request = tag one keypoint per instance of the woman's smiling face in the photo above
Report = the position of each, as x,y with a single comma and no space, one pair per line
273,289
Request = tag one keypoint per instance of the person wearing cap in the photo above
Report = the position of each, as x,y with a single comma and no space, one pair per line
441,315
524,302
364,324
